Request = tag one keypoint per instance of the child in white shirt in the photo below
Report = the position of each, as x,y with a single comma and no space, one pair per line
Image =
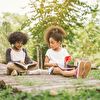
55,55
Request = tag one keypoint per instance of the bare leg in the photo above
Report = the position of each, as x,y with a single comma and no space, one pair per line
44,72
12,66
57,70
9,71
38,72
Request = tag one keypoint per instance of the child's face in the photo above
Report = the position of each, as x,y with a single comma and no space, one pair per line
18,45
54,44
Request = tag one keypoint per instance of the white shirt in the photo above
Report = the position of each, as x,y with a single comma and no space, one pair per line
57,56
17,55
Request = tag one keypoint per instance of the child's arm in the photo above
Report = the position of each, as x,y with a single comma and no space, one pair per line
27,58
8,56
47,64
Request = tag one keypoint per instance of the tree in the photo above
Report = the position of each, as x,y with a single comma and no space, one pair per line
9,23
72,15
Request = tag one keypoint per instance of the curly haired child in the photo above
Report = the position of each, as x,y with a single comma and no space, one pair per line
56,54
17,53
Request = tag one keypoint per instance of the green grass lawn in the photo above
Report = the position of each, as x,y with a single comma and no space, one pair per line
94,74
78,94
83,94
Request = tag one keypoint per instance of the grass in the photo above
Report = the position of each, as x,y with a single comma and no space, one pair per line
94,74
83,94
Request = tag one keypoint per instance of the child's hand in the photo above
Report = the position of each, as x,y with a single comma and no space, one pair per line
55,65
35,62
22,62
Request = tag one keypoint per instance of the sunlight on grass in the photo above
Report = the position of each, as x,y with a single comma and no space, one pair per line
94,74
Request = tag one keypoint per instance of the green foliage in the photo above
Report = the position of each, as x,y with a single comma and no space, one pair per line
82,38
82,94
94,74
77,94
9,23
79,19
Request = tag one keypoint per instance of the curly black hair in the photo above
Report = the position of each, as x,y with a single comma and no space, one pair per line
56,32
18,36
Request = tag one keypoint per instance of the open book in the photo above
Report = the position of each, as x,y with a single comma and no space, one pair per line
25,66
67,68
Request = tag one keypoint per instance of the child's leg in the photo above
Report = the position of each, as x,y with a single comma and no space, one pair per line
9,71
38,72
69,73
57,70
12,66
44,72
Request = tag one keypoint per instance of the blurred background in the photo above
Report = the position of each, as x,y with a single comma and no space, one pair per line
79,18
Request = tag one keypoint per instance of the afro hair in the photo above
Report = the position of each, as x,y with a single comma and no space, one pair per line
18,36
51,30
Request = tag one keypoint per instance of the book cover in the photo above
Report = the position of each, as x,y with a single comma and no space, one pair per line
66,68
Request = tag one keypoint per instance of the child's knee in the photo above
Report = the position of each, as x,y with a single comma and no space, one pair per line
10,65
57,70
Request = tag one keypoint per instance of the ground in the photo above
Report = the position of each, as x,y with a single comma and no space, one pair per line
37,83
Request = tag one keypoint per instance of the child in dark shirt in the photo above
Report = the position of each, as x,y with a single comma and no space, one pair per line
17,54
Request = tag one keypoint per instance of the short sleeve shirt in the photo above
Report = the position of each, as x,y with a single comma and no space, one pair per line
17,55
57,56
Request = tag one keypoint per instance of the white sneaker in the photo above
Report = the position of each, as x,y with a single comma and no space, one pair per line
50,70
14,73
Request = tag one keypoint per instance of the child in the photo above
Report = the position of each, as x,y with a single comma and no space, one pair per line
55,55
17,53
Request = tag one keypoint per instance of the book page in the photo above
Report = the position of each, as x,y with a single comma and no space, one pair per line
25,66
31,64
21,65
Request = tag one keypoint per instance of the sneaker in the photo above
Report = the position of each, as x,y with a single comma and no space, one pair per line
80,69
14,73
87,68
50,70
